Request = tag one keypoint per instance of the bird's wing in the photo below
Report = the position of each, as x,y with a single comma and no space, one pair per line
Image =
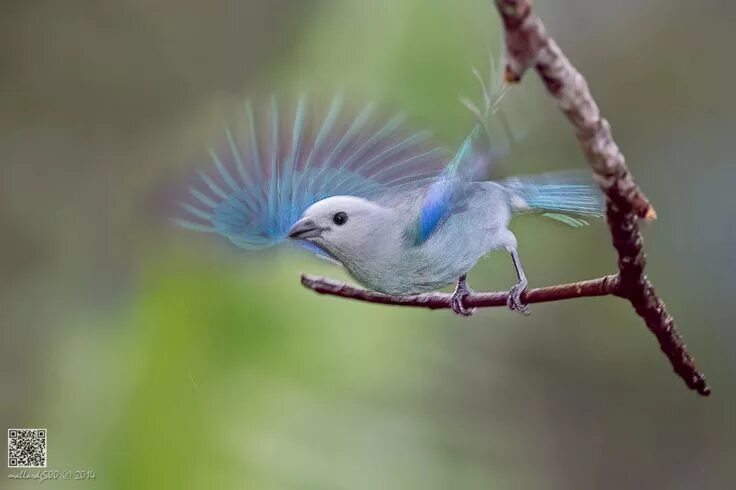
441,198
447,192
263,180
490,138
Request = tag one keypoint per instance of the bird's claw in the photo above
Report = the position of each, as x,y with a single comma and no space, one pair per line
457,302
513,300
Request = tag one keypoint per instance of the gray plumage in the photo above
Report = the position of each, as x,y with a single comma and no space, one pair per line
377,243
401,217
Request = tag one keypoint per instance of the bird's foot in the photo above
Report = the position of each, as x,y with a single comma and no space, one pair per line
513,300
457,302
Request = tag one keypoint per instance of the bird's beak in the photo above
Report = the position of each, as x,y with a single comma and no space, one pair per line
304,228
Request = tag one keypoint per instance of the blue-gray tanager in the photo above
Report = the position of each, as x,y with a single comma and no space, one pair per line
402,218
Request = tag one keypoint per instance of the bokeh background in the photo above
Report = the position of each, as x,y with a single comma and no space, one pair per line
163,359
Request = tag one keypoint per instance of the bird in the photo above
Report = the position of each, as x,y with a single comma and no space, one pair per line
400,215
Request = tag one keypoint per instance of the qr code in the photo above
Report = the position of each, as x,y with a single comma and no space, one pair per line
27,448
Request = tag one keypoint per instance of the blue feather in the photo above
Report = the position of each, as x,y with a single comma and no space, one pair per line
390,127
571,192
443,195
190,225
253,198
237,156
273,188
196,212
202,198
212,186
356,127
223,172
255,162
324,131
434,209
290,177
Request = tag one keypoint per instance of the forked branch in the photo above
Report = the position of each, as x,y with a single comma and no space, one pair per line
529,46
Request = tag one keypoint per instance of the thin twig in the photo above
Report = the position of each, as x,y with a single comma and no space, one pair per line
528,45
601,286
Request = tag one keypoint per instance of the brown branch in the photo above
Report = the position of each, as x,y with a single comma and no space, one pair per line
602,286
528,45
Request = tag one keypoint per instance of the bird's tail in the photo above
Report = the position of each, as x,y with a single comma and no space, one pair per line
566,196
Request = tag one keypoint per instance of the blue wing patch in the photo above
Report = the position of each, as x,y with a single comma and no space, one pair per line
261,183
439,201
477,153
445,194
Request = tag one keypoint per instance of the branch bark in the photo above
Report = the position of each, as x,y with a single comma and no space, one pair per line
602,286
529,46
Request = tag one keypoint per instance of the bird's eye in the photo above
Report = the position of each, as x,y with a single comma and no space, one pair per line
340,218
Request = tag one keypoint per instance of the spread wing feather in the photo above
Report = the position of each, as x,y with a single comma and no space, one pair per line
261,182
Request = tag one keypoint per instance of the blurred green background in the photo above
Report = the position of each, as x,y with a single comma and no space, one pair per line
163,359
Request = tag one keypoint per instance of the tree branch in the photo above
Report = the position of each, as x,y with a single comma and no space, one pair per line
528,45
602,286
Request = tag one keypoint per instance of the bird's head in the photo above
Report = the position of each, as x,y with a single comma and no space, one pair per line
346,227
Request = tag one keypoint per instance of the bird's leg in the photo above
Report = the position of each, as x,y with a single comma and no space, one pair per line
458,296
514,298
